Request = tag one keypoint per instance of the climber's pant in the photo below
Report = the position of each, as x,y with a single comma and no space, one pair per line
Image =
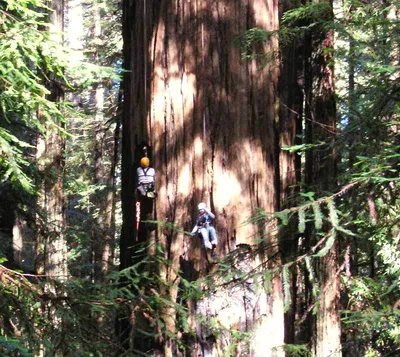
209,236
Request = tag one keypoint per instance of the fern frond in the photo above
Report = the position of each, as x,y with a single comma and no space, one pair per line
286,288
328,245
267,281
283,216
310,270
333,212
309,267
317,215
302,220
345,231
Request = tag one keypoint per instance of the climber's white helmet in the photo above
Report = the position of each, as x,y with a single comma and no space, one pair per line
201,206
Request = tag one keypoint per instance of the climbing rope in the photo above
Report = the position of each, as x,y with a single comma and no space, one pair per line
137,215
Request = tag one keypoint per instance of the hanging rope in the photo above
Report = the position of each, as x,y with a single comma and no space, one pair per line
202,61
145,53
137,216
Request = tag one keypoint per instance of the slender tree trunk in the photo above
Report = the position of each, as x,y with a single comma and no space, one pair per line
291,83
128,230
328,318
108,253
99,231
321,176
50,162
51,246
210,118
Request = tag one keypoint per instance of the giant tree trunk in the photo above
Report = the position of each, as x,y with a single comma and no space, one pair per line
210,118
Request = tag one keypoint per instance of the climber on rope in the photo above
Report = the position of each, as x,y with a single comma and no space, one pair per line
146,178
205,228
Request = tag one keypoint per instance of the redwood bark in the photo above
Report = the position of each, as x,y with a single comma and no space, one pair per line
51,243
209,116
291,85
320,177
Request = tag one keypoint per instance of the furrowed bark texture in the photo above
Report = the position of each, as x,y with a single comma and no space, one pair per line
320,175
51,202
209,117
291,82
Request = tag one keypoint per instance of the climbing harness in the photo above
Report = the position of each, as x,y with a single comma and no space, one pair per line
147,187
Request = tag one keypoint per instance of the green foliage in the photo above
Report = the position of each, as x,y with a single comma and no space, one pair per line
267,281
252,44
318,216
372,312
12,160
22,92
238,337
286,288
86,311
302,221
29,60
369,147
303,19
311,13
297,350
328,245
312,277
13,346
301,147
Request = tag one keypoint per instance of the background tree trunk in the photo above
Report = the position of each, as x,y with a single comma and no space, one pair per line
291,98
49,154
320,176
104,162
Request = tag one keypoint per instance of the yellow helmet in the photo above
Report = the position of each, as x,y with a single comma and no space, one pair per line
144,162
